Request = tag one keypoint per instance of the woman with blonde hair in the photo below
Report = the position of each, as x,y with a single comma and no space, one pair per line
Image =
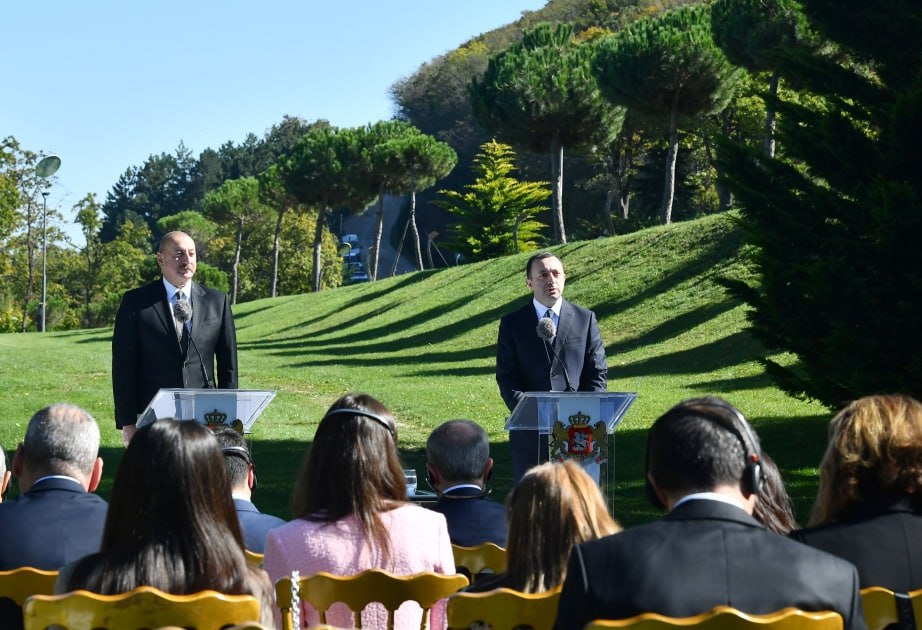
555,507
869,506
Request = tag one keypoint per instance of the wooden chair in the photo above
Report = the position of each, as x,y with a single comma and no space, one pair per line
144,607
504,609
20,583
254,558
727,618
882,607
323,589
476,559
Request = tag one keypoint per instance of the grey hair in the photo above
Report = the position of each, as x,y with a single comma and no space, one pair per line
459,449
62,439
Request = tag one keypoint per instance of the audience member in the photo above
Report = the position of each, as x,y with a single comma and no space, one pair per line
459,468
703,464
869,507
351,514
171,522
554,507
773,507
241,473
56,519
5,474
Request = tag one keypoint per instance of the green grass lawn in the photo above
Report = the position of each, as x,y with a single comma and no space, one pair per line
424,344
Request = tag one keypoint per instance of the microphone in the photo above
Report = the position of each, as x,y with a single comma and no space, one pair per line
547,330
182,311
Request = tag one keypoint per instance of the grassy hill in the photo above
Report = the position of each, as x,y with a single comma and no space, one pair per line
424,343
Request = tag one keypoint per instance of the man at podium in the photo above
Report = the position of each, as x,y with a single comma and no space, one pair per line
549,344
168,334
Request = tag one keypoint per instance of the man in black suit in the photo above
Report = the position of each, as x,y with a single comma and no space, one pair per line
57,519
241,476
168,334
573,360
703,466
458,468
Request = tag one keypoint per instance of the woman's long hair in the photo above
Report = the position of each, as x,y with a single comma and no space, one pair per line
352,468
171,521
553,508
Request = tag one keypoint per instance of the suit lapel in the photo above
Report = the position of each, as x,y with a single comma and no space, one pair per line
163,310
200,301
563,326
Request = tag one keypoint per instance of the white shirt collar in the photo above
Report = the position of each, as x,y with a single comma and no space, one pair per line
541,309
171,290
462,485
710,496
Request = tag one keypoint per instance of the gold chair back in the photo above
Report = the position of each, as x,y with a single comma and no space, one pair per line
476,559
322,590
727,618
882,606
254,558
504,609
143,607
18,584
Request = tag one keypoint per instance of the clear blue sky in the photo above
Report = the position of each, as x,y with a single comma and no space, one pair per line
106,83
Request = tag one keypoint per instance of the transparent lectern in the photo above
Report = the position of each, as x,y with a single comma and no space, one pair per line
237,408
579,426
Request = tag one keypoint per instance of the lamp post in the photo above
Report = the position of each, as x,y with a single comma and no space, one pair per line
47,167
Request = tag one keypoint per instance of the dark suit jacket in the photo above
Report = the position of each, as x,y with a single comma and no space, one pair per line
703,554
524,364
884,541
54,523
146,354
472,520
255,525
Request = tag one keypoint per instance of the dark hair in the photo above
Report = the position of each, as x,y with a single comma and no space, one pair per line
171,522
538,256
352,467
692,449
773,507
236,461
459,450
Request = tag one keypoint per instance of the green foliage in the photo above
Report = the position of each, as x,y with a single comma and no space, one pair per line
497,211
837,218
752,33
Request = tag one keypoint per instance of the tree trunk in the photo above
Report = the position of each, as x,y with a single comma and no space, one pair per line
235,270
607,211
557,190
417,248
669,186
768,142
273,287
318,242
723,195
379,230
403,237
624,201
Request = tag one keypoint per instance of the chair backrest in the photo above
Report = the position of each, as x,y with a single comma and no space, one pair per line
883,607
254,558
322,590
727,618
18,584
144,607
476,559
504,609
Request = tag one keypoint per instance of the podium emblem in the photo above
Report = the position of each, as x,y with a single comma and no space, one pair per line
219,419
579,439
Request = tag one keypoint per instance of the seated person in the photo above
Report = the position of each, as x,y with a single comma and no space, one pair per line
5,474
241,473
554,507
171,523
774,507
703,465
458,468
869,506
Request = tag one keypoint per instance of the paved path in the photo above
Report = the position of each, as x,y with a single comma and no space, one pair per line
364,225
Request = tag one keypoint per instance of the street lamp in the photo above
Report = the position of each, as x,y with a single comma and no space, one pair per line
47,167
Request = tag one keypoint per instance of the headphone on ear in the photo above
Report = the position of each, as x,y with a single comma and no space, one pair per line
240,451
486,491
752,479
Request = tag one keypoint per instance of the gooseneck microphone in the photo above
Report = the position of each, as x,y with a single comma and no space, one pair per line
182,311
547,330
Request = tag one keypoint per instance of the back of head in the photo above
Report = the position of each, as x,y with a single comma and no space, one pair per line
237,459
61,439
352,466
700,445
459,450
874,454
171,522
554,507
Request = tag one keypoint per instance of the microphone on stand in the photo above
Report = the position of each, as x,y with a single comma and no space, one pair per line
182,310
547,331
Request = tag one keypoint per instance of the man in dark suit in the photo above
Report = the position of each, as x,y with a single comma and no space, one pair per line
573,360
168,334
703,466
241,476
458,468
56,520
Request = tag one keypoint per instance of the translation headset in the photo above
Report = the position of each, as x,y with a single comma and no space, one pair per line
243,453
752,479
486,491
367,414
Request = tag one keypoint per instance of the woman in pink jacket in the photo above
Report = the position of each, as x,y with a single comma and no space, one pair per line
351,514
